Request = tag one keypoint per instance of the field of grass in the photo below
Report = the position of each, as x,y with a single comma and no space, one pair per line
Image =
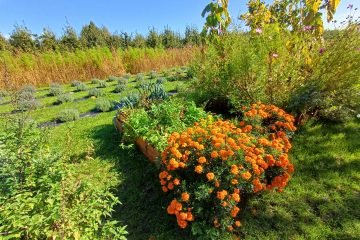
320,202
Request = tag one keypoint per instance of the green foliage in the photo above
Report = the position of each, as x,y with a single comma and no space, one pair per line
81,87
112,79
25,100
156,125
28,88
102,84
75,83
68,115
104,105
55,89
140,77
95,81
130,101
64,98
41,189
122,81
95,92
119,88
21,38
153,75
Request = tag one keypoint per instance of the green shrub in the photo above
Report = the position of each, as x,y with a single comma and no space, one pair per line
55,89
112,79
81,87
64,98
75,83
161,81
119,88
153,75
3,93
95,92
41,188
28,88
95,81
130,101
140,77
25,100
102,84
122,81
68,115
157,93
104,105
161,120
127,76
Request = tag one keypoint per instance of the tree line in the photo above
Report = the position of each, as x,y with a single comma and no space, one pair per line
23,40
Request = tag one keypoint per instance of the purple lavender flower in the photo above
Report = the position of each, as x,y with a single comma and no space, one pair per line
350,6
258,30
308,28
275,55
322,50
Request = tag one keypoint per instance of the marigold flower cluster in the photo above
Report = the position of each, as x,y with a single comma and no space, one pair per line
211,166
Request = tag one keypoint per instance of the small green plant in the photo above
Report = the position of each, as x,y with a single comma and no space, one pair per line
95,92
75,83
3,93
112,79
130,101
161,81
153,75
55,89
64,98
122,81
28,88
104,105
25,100
157,93
127,76
102,84
140,77
68,115
119,88
81,87
95,81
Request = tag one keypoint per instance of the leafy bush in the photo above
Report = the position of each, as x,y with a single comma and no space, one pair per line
140,77
157,93
122,81
102,84
161,81
25,100
95,81
112,79
75,83
156,124
95,92
3,93
28,88
130,101
64,98
127,76
55,89
68,115
41,189
153,75
104,105
81,87
215,166
119,88
332,88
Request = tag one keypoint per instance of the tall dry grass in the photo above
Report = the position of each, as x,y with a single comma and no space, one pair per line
43,68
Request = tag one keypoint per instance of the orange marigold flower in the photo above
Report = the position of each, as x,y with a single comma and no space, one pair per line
237,223
202,160
221,194
210,176
182,165
246,175
162,182
217,184
170,186
176,181
235,197
198,169
234,169
185,196
214,154
234,181
230,228
163,174
190,217
224,204
164,189
182,216
235,211
182,224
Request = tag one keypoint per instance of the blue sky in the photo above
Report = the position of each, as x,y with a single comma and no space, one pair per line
117,15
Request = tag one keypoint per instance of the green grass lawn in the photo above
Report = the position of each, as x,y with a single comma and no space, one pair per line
320,202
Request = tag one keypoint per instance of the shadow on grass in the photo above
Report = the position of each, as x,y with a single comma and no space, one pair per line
322,199
143,207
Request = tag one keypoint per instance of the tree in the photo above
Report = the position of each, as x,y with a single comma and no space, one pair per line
47,40
192,36
114,41
69,40
3,43
153,39
21,38
139,41
170,39
93,36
